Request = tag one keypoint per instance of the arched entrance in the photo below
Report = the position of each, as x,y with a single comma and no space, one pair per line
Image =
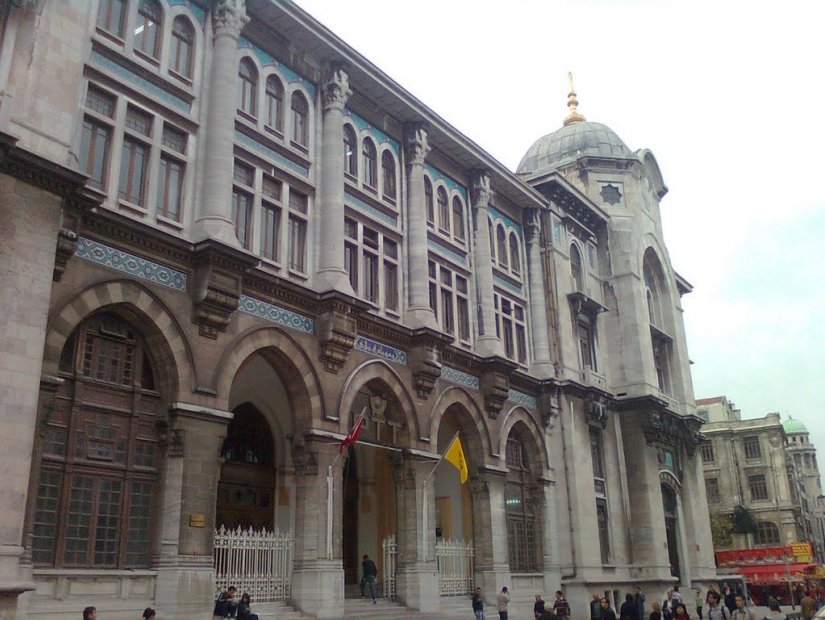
453,508
671,512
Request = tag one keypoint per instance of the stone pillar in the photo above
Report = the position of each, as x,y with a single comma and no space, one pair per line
318,573
492,567
547,504
684,551
416,574
331,272
215,217
186,577
419,313
487,343
542,364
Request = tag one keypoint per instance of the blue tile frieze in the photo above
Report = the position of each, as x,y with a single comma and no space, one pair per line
437,175
523,399
367,209
508,221
376,133
266,59
446,252
276,314
264,150
461,378
381,350
130,264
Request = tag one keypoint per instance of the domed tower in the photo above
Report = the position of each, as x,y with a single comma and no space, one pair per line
807,478
620,337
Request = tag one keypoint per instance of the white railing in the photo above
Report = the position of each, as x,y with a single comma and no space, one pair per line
455,566
257,562
390,546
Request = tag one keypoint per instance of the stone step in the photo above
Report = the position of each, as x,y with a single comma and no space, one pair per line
279,610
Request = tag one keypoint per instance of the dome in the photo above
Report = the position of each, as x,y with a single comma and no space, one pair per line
794,427
578,139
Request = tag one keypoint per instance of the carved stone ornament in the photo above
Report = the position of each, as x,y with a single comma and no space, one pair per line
415,142
229,17
337,328
378,404
336,91
532,225
481,191
403,471
305,460
550,407
663,428
495,386
597,413
425,362
66,245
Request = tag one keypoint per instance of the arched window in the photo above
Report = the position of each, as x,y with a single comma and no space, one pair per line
428,199
148,25
767,533
458,219
370,163
248,91
501,246
576,268
300,119
492,236
111,16
443,210
523,531
350,151
275,103
515,260
388,174
101,453
183,45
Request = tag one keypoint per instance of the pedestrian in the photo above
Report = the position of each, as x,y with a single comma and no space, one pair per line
245,608
775,612
677,596
729,598
741,612
90,613
149,614
699,603
370,572
538,607
656,614
596,607
681,612
639,601
808,607
716,611
628,609
561,608
478,605
225,604
668,606
607,613
502,602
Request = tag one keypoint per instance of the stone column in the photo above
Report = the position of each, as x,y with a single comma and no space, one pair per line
317,578
547,505
215,216
416,574
186,577
684,551
542,364
419,313
487,343
331,272
492,566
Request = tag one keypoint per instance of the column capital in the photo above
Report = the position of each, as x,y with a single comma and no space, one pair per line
415,141
229,17
482,193
336,91
532,225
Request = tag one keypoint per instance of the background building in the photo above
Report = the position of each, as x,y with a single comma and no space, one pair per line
225,235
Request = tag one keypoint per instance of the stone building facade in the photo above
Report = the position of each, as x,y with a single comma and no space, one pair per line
767,466
225,234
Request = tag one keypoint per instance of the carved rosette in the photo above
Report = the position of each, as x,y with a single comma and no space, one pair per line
415,143
337,328
335,90
495,387
66,245
217,286
229,17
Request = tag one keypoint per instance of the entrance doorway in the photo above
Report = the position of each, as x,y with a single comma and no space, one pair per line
671,528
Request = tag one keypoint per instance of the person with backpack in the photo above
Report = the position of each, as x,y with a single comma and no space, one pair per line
716,611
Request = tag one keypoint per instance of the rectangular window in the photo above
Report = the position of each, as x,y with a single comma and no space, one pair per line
100,102
174,139
586,346
45,518
712,489
708,455
94,151
511,327
370,276
242,216
752,448
138,121
758,487
390,285
134,158
111,16
170,187
270,230
137,536
603,523
297,243
596,453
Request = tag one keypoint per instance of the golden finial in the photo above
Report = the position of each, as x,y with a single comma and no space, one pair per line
572,103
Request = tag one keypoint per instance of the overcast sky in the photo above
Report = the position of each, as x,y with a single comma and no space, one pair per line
728,95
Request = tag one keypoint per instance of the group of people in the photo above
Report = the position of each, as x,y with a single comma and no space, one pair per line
227,607
90,613
560,609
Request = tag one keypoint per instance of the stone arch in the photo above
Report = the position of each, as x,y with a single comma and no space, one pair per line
520,414
158,325
654,173
668,479
382,371
457,395
287,359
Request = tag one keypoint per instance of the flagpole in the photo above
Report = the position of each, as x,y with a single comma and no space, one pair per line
330,481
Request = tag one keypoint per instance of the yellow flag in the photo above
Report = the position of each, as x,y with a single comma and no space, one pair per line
455,455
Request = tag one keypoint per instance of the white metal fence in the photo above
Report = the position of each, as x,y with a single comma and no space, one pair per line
455,566
257,562
390,546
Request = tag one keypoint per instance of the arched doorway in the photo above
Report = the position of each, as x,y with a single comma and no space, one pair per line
671,512
453,504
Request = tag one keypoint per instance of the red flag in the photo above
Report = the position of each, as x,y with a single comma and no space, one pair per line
352,436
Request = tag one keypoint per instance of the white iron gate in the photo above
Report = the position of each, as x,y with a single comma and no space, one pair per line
257,562
455,566
390,547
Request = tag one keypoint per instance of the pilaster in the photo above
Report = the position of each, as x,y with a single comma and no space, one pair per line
492,566
215,216
542,363
487,343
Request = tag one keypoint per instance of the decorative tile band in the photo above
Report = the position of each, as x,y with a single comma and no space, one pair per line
523,399
276,314
508,221
462,378
376,133
110,65
273,155
381,350
267,59
506,284
437,175
446,252
128,263
367,209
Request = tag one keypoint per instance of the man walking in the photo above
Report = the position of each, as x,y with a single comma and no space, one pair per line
370,572
502,602
716,611
478,605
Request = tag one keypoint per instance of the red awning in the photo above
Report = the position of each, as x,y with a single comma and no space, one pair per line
773,573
